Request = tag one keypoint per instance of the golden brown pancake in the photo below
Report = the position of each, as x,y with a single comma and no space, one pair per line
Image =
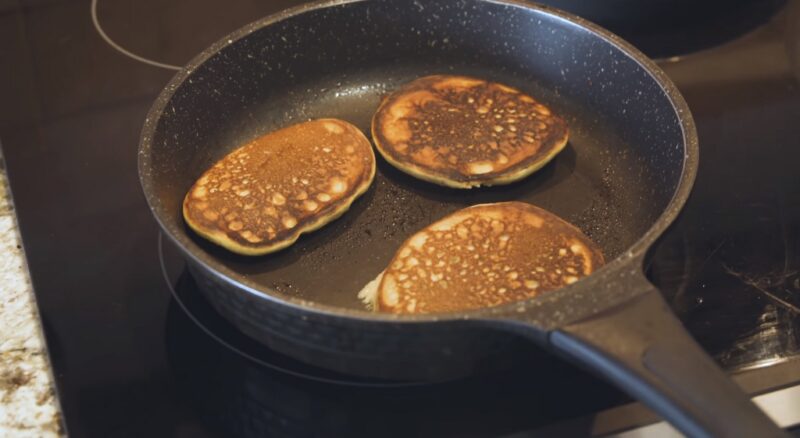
464,132
259,198
485,255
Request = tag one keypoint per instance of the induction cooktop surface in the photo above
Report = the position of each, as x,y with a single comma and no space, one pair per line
137,351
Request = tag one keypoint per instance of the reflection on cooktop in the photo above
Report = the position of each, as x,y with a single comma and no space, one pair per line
167,34
187,297
746,279
99,28
236,396
676,27
759,308
242,388
660,29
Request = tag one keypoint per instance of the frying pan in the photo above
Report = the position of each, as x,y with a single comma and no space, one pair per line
623,178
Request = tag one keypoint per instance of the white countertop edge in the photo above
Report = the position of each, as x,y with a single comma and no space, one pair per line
28,405
783,406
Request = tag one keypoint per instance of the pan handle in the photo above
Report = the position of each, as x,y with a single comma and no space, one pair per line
643,348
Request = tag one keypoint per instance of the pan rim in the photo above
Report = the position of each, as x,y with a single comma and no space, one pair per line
632,255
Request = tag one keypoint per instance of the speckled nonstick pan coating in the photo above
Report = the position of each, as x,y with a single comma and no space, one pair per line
625,174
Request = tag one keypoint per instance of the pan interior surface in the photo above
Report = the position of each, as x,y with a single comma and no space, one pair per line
615,178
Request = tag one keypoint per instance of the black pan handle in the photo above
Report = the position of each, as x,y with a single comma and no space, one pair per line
643,348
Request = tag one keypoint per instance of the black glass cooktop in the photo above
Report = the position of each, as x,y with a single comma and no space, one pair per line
137,352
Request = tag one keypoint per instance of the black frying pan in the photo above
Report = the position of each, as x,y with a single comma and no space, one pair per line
623,178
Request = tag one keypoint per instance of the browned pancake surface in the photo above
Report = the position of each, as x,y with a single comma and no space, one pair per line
263,195
463,132
485,255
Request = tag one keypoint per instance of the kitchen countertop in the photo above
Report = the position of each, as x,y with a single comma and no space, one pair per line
28,406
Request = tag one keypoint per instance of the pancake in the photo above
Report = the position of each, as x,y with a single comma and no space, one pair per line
259,198
485,255
464,132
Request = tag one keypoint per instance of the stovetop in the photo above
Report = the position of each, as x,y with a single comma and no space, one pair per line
137,355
